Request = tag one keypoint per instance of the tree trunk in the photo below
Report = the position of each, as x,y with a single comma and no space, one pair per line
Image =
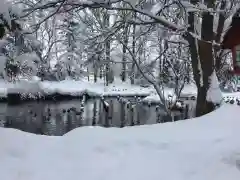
203,107
107,49
202,58
160,65
107,66
207,61
124,65
95,73
132,77
217,50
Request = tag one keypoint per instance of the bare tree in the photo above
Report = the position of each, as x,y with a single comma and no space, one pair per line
198,31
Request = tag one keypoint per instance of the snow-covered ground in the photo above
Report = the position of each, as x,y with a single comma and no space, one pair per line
94,89
76,88
232,95
22,86
205,148
188,91
71,87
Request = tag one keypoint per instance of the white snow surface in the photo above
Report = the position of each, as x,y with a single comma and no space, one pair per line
188,91
156,8
4,11
204,148
214,93
93,89
76,88
72,87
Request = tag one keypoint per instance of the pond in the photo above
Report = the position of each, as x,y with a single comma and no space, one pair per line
58,118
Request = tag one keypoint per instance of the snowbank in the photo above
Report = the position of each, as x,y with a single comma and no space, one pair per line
3,88
23,86
188,91
203,148
76,88
71,87
234,95
214,93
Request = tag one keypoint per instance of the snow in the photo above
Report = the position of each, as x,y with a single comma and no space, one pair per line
202,148
71,87
3,61
3,88
79,87
154,97
133,2
28,58
189,6
188,91
226,27
3,43
4,10
156,8
232,95
93,89
24,87
214,93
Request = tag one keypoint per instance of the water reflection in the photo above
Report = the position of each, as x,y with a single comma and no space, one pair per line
58,118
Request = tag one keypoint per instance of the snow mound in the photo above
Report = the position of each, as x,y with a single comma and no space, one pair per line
214,93
203,148
188,91
76,88
36,87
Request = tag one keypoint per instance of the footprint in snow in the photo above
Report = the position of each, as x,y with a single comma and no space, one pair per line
158,146
234,160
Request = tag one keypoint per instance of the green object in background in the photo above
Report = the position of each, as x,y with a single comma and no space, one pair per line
236,79
238,58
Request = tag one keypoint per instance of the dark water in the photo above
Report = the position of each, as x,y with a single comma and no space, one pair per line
58,118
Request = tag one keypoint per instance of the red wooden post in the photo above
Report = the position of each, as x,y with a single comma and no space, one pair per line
236,59
231,41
